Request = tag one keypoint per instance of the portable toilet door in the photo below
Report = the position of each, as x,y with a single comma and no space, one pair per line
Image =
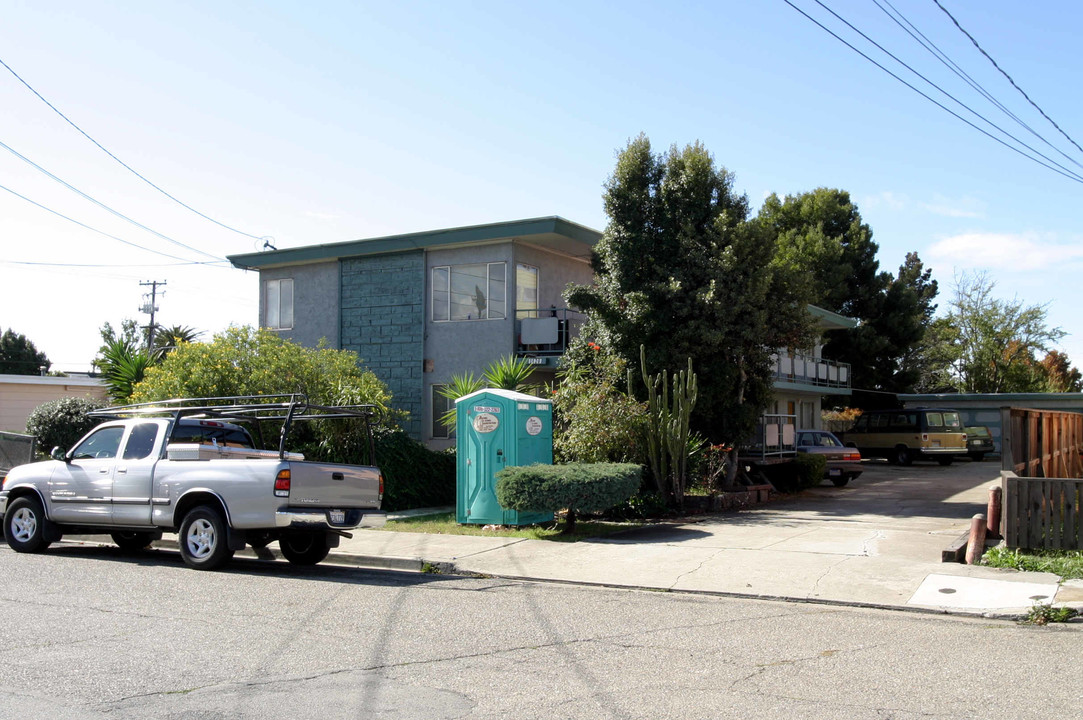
496,429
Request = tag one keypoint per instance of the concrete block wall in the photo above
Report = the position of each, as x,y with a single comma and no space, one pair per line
383,321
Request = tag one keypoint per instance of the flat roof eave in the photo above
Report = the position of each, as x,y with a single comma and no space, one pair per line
554,232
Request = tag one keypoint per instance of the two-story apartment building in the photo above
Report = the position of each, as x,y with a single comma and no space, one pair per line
421,307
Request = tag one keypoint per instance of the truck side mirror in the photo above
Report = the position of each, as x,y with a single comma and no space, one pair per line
58,454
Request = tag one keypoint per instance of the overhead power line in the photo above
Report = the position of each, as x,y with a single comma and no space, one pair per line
30,263
101,232
899,19
122,163
1068,174
103,205
1002,72
944,92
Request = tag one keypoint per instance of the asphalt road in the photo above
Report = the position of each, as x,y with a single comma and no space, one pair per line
89,632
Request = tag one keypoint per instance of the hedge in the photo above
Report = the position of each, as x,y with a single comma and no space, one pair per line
414,476
61,423
579,487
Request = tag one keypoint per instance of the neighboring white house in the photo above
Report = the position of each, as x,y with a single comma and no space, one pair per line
20,394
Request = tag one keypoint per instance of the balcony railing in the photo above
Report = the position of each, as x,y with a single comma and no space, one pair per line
775,437
546,332
807,370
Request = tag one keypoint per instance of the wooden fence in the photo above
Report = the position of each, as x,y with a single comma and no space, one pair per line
1042,478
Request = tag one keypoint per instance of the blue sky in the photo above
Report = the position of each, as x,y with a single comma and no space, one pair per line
330,121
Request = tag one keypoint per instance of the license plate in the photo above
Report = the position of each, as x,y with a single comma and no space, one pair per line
337,516
834,472
936,443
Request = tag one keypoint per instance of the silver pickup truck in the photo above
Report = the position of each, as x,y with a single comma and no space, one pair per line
192,467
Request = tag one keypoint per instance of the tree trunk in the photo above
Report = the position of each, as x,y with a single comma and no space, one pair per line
569,522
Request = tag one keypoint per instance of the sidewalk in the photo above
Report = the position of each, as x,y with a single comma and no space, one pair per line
876,546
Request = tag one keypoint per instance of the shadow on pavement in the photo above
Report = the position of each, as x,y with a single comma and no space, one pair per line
325,572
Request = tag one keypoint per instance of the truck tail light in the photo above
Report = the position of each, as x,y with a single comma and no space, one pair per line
282,483
381,486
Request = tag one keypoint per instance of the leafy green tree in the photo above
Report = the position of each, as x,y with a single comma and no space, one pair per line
822,233
18,356
129,332
250,361
996,339
1060,376
681,270
932,359
595,420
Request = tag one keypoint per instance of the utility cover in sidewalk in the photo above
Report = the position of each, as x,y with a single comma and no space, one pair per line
953,591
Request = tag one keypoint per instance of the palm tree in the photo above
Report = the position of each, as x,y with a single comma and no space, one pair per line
507,373
123,364
166,339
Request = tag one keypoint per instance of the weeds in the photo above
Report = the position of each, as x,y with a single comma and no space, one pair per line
1066,563
1043,614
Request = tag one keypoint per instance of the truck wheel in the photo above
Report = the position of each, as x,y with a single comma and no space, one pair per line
902,456
304,548
203,543
26,527
134,541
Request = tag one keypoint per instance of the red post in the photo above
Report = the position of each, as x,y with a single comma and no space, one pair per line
975,546
995,504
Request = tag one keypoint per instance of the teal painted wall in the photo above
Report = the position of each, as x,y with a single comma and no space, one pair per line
382,298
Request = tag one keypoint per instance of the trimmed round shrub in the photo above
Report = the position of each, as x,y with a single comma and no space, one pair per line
811,469
61,423
579,487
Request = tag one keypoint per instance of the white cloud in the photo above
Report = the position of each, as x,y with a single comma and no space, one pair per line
962,208
327,217
1003,250
888,199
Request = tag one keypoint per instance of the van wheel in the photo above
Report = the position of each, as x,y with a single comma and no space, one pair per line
304,548
945,461
902,456
203,542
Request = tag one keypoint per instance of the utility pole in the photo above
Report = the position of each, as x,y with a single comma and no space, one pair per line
150,306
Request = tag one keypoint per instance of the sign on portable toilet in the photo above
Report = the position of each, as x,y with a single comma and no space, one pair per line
497,429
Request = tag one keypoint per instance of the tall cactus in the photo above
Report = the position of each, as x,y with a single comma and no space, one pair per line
668,425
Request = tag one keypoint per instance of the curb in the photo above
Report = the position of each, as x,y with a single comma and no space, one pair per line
421,566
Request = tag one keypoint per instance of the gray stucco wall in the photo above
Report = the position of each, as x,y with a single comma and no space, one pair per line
554,273
315,302
383,316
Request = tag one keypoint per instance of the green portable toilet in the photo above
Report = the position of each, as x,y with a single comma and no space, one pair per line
495,429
